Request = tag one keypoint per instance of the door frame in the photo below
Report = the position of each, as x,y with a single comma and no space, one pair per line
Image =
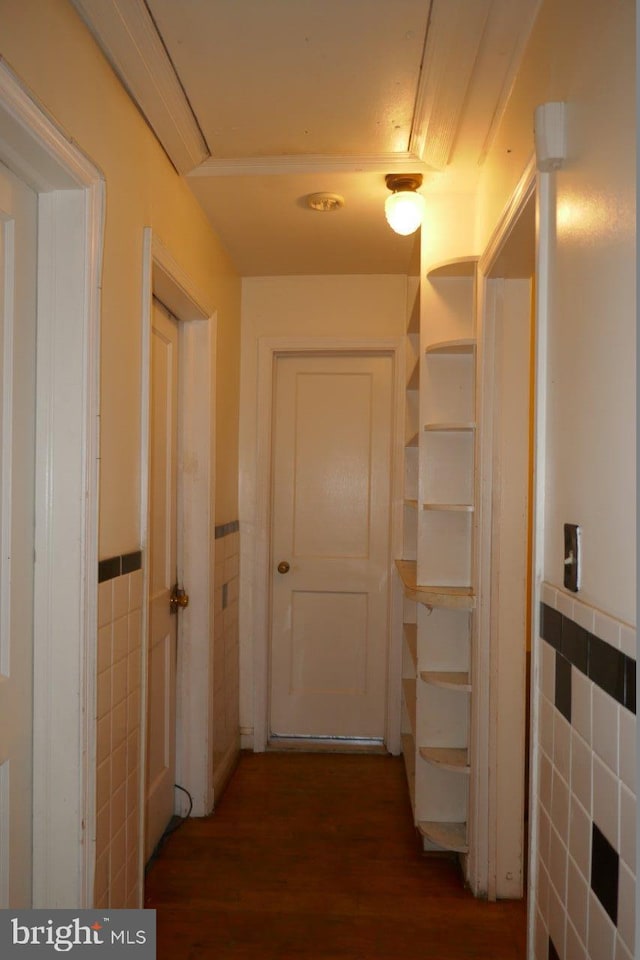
482,860
269,350
166,279
70,191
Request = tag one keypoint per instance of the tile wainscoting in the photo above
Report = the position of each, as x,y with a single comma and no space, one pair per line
585,893
118,708
226,656
118,732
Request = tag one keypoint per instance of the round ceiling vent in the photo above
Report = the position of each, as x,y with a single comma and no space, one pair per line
325,202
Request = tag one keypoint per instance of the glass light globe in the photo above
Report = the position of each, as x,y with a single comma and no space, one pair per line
404,211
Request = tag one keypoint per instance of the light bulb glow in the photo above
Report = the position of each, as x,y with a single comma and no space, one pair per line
404,211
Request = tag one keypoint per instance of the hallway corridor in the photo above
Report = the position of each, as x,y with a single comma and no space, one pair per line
314,856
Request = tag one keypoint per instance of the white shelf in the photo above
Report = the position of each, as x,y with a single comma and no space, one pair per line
412,441
449,427
411,503
451,348
454,598
459,267
449,679
452,507
455,759
449,836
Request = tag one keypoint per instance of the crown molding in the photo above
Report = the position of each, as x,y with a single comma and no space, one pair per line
126,33
444,80
311,163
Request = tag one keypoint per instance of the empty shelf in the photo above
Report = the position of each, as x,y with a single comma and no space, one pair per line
452,347
454,507
450,836
450,679
460,267
449,427
455,759
454,598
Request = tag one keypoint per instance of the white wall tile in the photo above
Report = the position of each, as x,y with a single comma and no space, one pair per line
575,947
628,748
549,595
541,944
606,801
105,652
601,937
583,615
546,726
544,835
581,770
120,638
120,597
580,838
135,590
626,907
105,602
627,847
562,745
605,727
558,863
628,641
564,604
119,682
607,629
581,703
577,901
103,693
560,804
544,785
557,921
621,951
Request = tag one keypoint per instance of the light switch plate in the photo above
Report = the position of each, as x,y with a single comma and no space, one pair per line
572,557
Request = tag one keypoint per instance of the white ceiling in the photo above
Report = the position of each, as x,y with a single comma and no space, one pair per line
261,102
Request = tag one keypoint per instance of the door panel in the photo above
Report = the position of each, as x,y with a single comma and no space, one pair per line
331,488
161,710
18,239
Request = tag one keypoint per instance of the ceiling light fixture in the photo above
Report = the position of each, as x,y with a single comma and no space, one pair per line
404,209
325,202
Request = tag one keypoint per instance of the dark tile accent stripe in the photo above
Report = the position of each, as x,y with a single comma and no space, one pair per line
609,668
226,528
605,866
551,625
552,953
132,561
108,569
116,566
606,668
563,686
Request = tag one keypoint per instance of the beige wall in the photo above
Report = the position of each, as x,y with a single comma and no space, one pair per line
582,52
51,51
341,307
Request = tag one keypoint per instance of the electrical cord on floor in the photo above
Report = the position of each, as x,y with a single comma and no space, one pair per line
172,826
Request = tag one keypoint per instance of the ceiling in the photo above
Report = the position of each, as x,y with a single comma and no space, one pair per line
261,102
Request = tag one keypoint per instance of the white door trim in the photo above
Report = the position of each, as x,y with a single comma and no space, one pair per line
165,278
482,862
70,210
269,348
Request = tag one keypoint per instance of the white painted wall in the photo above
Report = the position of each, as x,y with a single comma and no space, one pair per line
333,306
582,52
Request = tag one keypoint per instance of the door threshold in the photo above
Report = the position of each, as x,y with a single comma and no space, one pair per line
326,745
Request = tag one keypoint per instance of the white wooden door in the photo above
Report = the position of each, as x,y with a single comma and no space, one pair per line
330,524
18,244
161,703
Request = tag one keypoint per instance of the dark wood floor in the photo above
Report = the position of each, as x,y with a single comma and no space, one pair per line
314,857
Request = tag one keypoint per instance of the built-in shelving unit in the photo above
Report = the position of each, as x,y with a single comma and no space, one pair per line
436,569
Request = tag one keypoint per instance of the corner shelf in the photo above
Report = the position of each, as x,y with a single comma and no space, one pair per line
412,441
450,836
453,598
453,507
448,679
452,348
449,427
455,759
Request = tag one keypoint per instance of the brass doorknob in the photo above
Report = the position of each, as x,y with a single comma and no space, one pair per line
179,599
283,567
